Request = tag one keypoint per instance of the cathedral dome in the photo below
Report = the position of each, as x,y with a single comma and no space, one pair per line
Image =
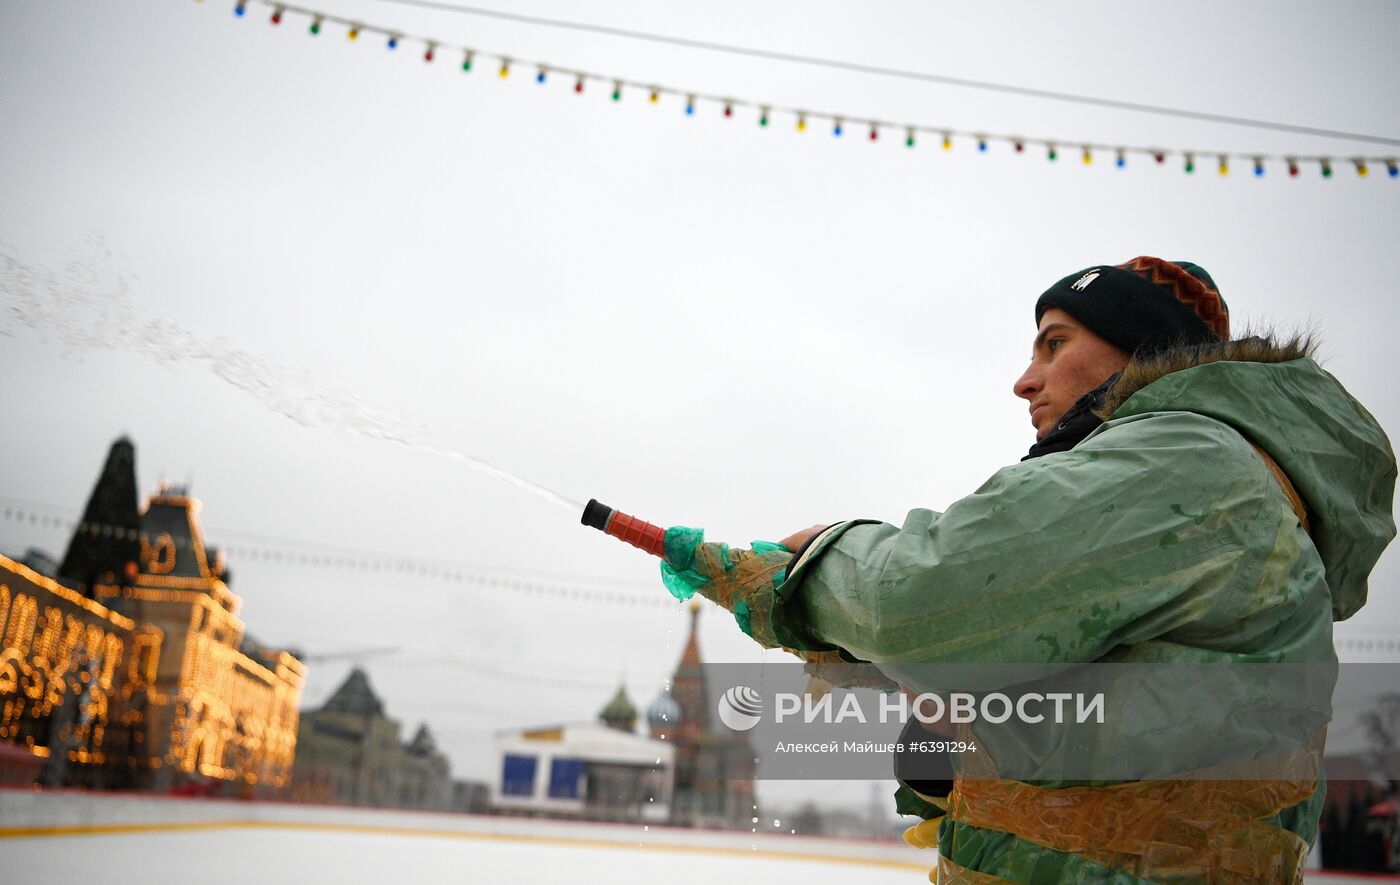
664,711
619,713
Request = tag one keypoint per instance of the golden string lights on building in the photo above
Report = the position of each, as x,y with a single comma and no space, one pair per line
128,665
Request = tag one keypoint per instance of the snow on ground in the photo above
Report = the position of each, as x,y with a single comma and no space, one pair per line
239,855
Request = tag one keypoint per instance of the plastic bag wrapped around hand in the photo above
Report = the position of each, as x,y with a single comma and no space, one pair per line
742,581
748,583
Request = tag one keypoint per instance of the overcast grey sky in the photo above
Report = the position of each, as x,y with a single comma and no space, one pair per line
695,319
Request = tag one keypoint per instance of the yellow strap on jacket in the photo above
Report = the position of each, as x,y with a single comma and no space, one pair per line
1295,500
1197,829
1207,831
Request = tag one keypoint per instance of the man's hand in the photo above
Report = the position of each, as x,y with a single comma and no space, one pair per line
795,540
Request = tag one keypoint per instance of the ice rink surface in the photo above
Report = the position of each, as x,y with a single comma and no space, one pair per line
239,855
73,836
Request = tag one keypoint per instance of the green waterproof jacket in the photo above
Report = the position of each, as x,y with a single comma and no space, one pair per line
1162,536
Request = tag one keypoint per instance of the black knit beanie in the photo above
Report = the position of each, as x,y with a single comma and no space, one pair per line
1143,306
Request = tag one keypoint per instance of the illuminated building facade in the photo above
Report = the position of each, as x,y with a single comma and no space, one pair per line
130,668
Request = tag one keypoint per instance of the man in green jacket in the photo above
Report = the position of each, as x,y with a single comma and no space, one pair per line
1189,499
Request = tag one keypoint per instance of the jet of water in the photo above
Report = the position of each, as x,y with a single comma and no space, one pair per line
81,311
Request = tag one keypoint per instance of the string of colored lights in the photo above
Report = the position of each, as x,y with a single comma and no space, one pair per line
1361,643
1367,643
885,71
493,670
294,553
838,123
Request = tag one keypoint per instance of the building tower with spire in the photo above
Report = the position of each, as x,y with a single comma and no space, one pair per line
689,691
110,554
714,768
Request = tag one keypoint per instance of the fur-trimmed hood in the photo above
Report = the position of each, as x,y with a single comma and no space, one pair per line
1141,372
1276,396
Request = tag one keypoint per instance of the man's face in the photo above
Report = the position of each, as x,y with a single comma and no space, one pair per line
1067,362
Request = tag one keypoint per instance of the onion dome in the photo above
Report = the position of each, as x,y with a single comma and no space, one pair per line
619,713
664,712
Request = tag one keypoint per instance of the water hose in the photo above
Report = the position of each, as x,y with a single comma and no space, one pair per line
629,529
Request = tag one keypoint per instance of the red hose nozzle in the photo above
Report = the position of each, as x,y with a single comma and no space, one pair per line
640,534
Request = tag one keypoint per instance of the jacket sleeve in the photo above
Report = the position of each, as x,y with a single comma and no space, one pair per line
1153,522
